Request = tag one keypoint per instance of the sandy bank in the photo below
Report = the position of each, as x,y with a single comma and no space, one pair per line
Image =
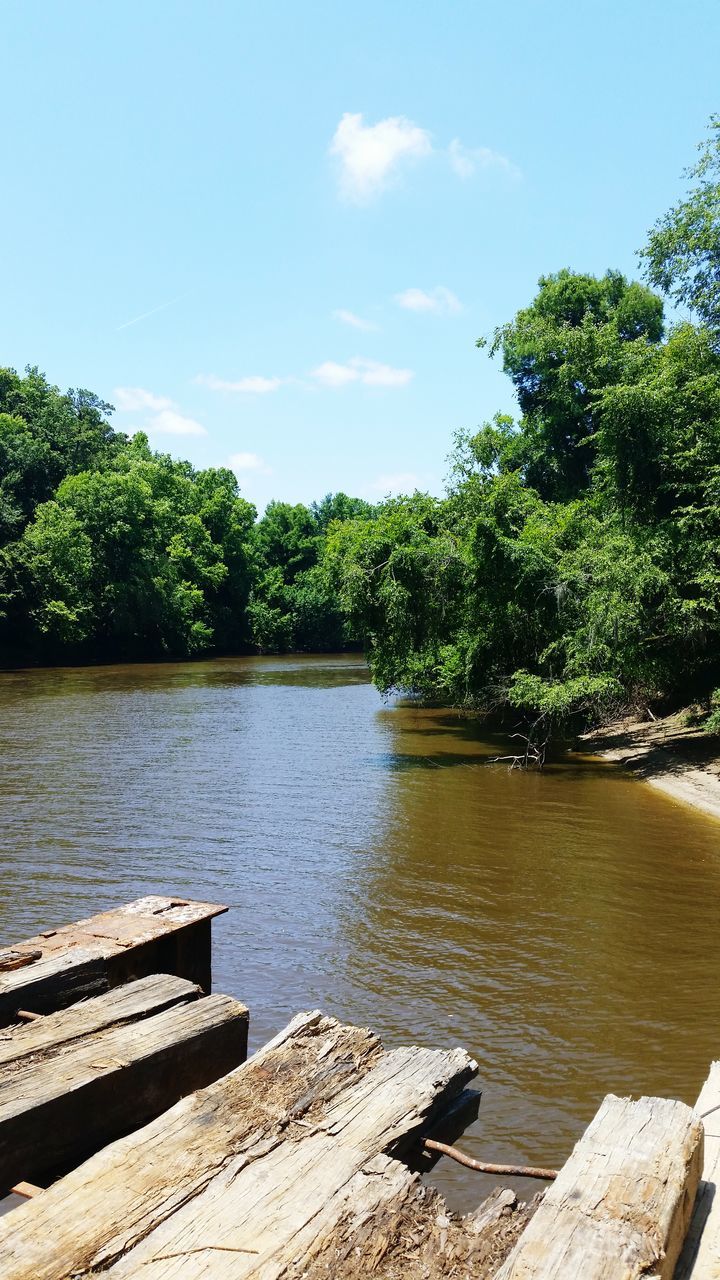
677,759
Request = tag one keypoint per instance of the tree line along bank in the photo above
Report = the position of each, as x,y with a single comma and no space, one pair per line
571,568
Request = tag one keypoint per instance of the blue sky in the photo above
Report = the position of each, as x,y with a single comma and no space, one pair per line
272,232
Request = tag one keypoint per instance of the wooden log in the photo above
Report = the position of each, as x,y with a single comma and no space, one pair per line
700,1257
52,982
70,1096
620,1207
239,1178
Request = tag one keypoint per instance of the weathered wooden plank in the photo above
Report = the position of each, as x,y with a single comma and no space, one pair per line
154,934
131,1003
52,982
620,1206
240,1171
700,1257
68,1100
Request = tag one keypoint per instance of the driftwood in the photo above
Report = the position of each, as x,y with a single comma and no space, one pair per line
700,1258
73,1081
620,1206
249,1176
480,1166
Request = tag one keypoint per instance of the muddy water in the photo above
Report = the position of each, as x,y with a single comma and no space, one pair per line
563,927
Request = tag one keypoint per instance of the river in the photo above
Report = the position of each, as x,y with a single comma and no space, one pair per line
561,926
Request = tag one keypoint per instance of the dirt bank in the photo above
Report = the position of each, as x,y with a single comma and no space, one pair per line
670,754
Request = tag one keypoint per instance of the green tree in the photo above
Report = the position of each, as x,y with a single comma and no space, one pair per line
682,256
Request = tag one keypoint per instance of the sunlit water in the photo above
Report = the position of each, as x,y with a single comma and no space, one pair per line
562,926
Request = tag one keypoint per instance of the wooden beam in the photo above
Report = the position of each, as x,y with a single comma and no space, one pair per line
241,1177
620,1206
700,1258
52,982
63,1094
154,934
137,1000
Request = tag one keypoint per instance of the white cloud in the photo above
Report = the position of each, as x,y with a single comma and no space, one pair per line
255,384
392,485
355,322
331,374
164,418
440,300
241,462
170,423
134,399
370,372
370,155
465,161
374,374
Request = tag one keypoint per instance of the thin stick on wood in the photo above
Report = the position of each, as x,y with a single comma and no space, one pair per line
509,1170
24,1015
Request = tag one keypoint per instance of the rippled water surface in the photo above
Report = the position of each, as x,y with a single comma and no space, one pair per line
562,926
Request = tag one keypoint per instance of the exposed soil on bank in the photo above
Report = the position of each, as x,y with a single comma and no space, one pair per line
672,754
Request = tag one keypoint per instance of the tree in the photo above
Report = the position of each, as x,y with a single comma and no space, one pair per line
576,338
682,256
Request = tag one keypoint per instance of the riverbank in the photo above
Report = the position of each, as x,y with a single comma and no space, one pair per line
670,754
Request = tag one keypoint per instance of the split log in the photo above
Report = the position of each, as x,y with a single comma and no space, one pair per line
700,1258
243,1177
67,1090
620,1207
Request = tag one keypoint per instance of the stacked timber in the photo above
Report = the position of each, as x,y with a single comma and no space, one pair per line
75,1080
279,1167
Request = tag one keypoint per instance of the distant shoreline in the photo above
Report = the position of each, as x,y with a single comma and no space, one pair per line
680,760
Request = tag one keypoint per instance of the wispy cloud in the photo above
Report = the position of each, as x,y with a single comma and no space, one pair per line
161,415
171,423
355,322
466,161
152,312
244,462
369,372
370,156
393,485
254,384
440,300
135,399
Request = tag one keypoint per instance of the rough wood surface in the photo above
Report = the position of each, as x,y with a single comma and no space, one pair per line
130,925
393,1227
154,934
52,982
620,1206
240,1178
73,1095
700,1258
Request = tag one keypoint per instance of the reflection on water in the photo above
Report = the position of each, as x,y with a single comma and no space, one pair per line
561,926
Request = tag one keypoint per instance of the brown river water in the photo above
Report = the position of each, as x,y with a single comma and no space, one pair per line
562,926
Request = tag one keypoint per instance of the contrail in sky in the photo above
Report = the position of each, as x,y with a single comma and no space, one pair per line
154,312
